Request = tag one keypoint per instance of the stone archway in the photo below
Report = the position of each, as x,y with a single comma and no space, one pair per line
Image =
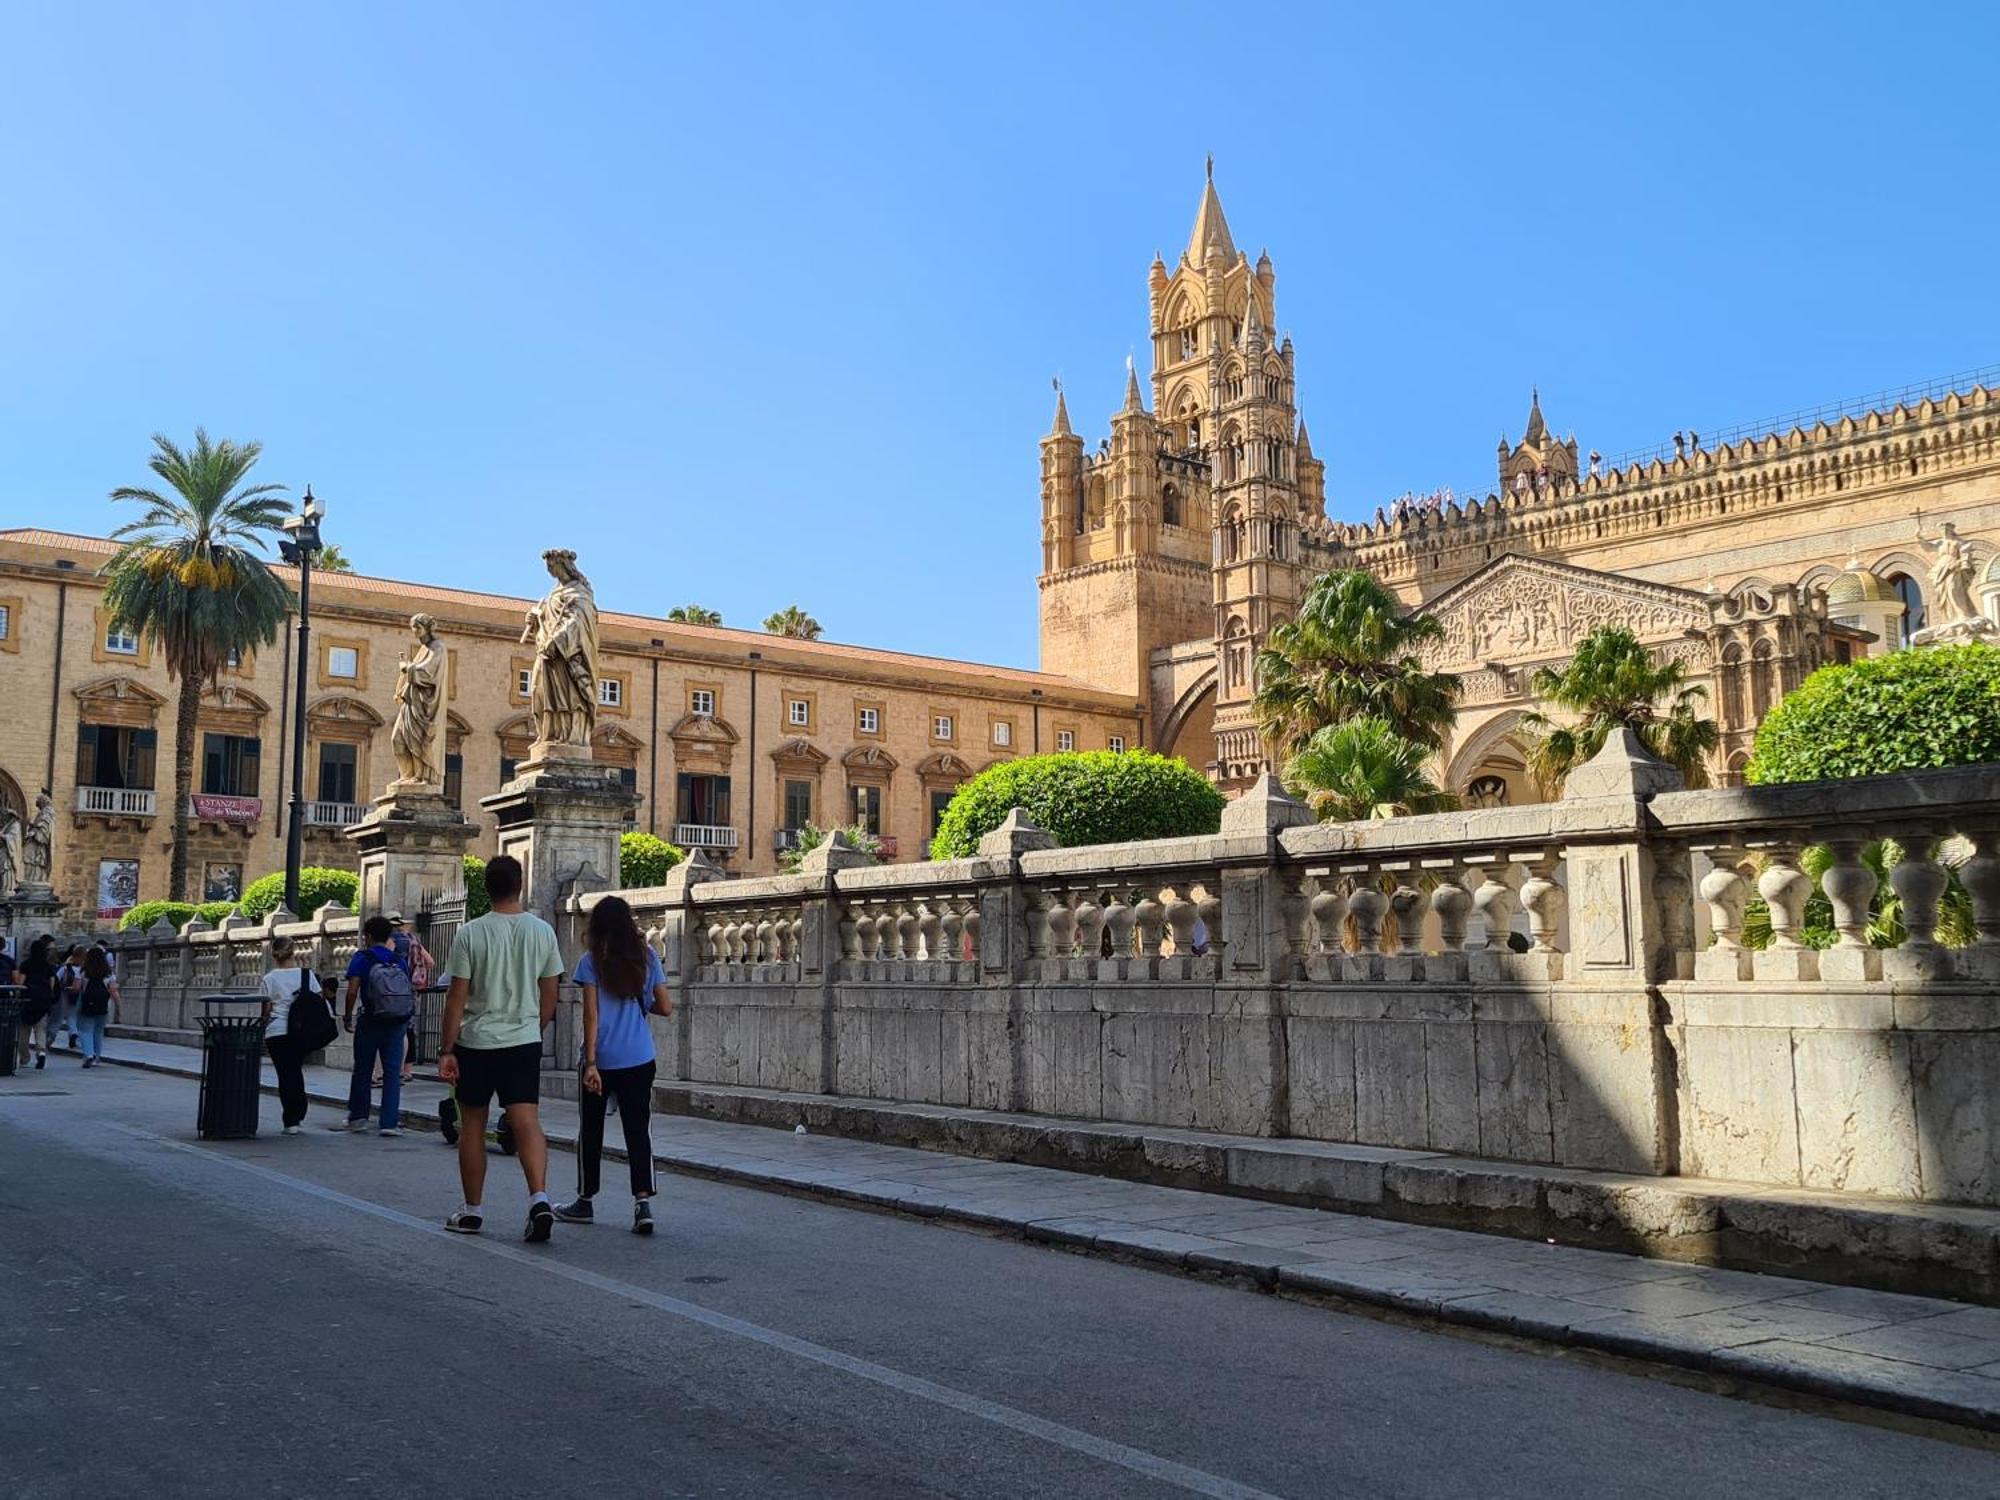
1491,768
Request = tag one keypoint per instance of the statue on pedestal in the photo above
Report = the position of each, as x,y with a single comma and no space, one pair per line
417,739
38,843
562,686
10,854
1954,616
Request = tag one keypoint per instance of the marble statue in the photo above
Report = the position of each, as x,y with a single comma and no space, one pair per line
417,739
1954,615
562,687
10,854
38,843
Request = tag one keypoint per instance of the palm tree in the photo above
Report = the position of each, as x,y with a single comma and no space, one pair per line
1363,768
794,622
694,614
1613,680
331,559
1351,650
187,577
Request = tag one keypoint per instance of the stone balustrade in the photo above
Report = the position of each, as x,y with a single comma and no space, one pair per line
163,973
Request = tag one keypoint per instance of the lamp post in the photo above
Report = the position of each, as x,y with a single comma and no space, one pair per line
301,546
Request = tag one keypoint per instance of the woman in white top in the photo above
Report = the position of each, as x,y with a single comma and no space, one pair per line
290,977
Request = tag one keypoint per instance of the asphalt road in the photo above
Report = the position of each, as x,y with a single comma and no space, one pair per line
285,1317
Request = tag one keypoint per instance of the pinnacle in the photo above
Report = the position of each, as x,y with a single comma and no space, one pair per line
1211,229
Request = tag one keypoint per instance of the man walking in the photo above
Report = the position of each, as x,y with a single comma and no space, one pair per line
504,968
380,985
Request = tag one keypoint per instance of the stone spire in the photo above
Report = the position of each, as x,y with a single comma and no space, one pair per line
1538,430
1133,401
1061,427
1305,444
1211,229
1253,320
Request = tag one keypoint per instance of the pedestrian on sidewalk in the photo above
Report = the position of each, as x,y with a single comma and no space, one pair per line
380,987
622,983
41,1005
96,1005
289,980
69,985
504,968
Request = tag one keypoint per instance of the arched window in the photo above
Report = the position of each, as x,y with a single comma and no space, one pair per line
1911,594
1486,791
1170,507
1081,524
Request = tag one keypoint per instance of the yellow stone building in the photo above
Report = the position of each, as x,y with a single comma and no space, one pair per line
732,738
1172,548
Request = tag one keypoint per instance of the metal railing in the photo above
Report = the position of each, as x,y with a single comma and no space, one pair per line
704,836
116,801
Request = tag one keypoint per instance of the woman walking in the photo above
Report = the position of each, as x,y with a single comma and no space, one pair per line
69,985
41,1008
289,979
96,1004
622,982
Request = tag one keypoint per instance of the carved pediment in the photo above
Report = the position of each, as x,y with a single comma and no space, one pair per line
231,698
119,690
699,730
799,751
338,709
869,758
943,766
611,737
1526,609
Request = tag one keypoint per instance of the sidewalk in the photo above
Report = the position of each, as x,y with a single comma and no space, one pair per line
1913,1355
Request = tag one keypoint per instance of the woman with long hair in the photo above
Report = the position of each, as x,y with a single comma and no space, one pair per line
622,983
96,1005
289,980
41,1009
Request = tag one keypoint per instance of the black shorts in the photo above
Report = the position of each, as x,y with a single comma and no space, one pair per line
514,1073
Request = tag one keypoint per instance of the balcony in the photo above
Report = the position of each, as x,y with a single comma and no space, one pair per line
783,839
116,801
333,814
213,807
704,836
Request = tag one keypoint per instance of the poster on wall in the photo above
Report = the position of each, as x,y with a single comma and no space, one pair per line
117,887
223,883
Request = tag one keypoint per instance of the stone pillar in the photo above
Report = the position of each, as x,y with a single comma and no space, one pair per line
819,941
1261,915
562,820
412,845
680,952
1003,931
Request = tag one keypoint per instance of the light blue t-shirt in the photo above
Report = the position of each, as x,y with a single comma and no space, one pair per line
624,1038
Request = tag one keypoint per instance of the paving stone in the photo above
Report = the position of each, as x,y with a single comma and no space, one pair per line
1923,1341
1950,1394
1355,1250
1860,1302
1528,1313
1158,1244
1401,1286
1677,1299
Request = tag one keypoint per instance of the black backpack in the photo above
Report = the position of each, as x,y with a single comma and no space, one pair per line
309,1022
96,999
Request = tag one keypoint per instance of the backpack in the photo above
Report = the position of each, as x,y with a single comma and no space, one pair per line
421,964
96,999
386,994
309,1022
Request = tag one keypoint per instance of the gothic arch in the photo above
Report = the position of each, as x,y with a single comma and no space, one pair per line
1497,748
1185,709
12,799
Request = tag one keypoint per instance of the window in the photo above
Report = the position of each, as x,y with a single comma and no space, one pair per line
868,808
702,701
610,693
939,802
1911,594
507,766
798,713
343,661
1065,739
6,621
338,764
941,727
119,640
628,778
871,721
229,765
234,661
798,804
109,755
454,780
1116,744
523,681
702,800
1003,733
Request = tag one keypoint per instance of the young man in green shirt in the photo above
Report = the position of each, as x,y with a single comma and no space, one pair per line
504,969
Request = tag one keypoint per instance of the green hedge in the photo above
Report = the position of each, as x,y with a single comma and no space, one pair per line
643,860
146,913
317,886
1932,706
477,903
1083,797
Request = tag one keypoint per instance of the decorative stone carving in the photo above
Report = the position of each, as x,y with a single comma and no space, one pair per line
1519,608
562,685
417,740
1956,617
10,855
38,845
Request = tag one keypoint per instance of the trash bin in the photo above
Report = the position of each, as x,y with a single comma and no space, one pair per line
232,1066
10,1026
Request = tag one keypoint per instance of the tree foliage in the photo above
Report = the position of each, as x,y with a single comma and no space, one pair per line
644,859
146,913
811,836
1351,650
1363,768
332,560
794,622
1934,706
1082,797
317,886
189,577
477,902
1613,680
694,614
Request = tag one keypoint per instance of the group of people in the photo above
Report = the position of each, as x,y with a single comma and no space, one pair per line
74,991
504,971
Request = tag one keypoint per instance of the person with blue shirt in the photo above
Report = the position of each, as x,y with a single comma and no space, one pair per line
622,984
379,984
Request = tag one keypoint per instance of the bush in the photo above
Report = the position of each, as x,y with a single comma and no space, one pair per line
477,902
146,913
643,860
317,886
212,912
1934,706
811,836
1083,797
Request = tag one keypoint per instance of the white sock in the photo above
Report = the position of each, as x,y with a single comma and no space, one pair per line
539,1198
473,1208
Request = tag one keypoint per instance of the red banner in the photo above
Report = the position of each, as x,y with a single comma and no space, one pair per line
211,808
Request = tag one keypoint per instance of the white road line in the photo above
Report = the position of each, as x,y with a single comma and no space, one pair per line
1151,1465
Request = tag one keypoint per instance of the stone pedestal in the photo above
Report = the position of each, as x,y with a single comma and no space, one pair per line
562,819
412,845
31,911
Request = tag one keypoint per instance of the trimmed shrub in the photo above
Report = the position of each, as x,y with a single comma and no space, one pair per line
146,913
643,860
1083,797
1934,706
477,902
317,886
212,912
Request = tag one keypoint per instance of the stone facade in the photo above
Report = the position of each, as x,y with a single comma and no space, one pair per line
1753,556
756,710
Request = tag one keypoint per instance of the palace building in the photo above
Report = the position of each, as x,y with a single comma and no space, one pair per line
733,739
1171,549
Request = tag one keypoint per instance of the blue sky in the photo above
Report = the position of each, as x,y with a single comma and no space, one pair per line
760,304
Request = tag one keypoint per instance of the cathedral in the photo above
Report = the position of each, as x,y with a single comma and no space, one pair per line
1173,547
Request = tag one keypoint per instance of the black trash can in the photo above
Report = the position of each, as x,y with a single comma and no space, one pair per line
232,1066
11,997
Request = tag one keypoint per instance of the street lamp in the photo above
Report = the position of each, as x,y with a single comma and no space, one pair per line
300,547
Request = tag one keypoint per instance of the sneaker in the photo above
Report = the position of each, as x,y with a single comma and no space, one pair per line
642,1217
355,1127
41,1061
541,1222
295,1130
90,1062
392,1130
579,1212
73,1044
462,1222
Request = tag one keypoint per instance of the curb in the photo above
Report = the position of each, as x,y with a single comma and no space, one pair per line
1736,1365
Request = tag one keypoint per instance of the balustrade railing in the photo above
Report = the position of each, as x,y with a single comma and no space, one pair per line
116,801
